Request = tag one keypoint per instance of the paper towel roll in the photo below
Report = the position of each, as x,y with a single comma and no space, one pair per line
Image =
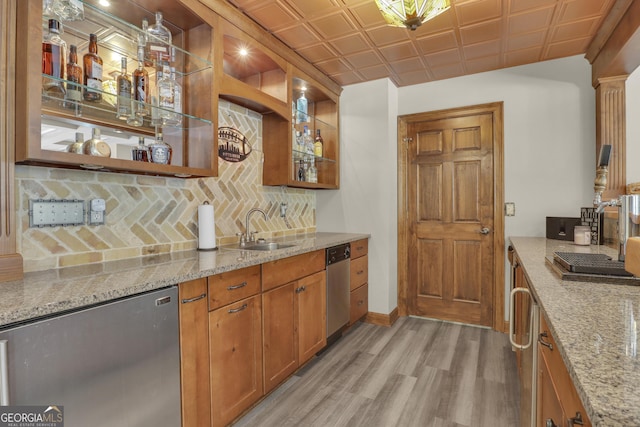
206,228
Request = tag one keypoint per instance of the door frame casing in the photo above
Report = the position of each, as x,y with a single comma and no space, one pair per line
496,109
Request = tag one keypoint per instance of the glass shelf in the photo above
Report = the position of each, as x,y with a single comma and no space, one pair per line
302,155
103,110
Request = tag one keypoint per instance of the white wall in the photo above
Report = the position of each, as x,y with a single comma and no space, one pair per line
366,201
549,147
632,92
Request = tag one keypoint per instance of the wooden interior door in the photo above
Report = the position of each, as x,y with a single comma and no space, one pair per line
450,210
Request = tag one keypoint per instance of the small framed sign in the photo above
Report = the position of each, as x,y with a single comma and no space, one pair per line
232,145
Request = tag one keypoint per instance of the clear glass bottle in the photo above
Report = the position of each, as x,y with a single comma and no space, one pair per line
53,60
177,98
68,10
166,97
299,142
159,41
318,144
123,82
73,97
141,85
76,147
301,176
92,71
160,151
302,106
312,172
96,145
141,152
308,141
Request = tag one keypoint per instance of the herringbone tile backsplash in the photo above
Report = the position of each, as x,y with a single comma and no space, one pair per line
150,215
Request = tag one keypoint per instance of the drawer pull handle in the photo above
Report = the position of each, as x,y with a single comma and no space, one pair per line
235,310
550,423
360,248
543,342
360,302
360,272
188,300
234,287
301,289
577,420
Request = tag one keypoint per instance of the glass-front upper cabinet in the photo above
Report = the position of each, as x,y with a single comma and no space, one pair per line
136,73
306,153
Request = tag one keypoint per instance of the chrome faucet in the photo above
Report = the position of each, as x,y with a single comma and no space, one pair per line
248,236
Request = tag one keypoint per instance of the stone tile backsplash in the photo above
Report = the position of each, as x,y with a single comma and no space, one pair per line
151,215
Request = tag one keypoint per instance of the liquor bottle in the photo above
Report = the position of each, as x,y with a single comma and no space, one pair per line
53,58
299,142
302,109
308,141
92,75
144,40
96,146
68,10
159,41
312,172
123,108
177,98
166,97
301,176
141,85
318,144
160,151
141,152
74,81
76,147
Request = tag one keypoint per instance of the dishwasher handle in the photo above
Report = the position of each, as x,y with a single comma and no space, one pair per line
4,373
512,321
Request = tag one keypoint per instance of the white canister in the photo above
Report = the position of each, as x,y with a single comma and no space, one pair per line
582,235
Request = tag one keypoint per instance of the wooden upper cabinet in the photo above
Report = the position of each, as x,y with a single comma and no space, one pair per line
283,162
47,123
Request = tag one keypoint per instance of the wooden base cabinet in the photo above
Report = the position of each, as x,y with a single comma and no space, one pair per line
295,326
235,337
194,353
359,280
558,402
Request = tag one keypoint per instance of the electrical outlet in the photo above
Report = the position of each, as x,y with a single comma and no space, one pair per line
509,209
283,209
97,211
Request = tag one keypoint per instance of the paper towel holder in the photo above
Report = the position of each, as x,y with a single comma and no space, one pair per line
215,247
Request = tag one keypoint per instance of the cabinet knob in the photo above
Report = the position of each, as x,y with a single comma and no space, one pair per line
543,342
577,420
550,423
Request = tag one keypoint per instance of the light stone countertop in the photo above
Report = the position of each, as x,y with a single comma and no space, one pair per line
55,291
595,327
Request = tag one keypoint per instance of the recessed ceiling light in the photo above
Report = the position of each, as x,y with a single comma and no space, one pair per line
104,3
244,51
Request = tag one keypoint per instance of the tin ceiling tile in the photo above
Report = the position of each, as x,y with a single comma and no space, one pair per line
350,44
335,25
484,31
530,21
364,59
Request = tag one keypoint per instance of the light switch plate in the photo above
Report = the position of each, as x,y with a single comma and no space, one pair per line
55,212
509,209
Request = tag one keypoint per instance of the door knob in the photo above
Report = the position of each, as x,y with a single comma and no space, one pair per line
485,230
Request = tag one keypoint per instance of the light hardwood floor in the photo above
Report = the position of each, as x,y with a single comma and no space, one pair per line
419,372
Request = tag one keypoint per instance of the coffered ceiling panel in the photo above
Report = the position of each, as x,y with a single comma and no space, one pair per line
350,42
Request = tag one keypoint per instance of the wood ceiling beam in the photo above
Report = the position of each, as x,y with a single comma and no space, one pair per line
615,50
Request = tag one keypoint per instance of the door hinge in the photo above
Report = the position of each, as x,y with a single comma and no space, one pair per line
407,139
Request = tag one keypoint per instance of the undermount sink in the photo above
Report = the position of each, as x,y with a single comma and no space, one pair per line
262,246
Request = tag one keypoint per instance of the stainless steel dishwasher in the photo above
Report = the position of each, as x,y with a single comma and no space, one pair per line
338,280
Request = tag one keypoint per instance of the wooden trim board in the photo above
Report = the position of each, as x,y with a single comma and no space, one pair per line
382,319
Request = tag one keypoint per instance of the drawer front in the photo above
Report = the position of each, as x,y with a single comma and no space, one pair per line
359,271
232,286
359,303
359,248
285,270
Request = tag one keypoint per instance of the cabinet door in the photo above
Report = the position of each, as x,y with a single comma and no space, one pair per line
194,353
549,408
359,303
312,315
235,336
280,345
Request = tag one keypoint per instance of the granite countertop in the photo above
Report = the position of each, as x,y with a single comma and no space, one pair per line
55,291
594,325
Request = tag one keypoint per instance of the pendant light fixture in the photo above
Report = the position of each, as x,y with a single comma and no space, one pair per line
411,13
